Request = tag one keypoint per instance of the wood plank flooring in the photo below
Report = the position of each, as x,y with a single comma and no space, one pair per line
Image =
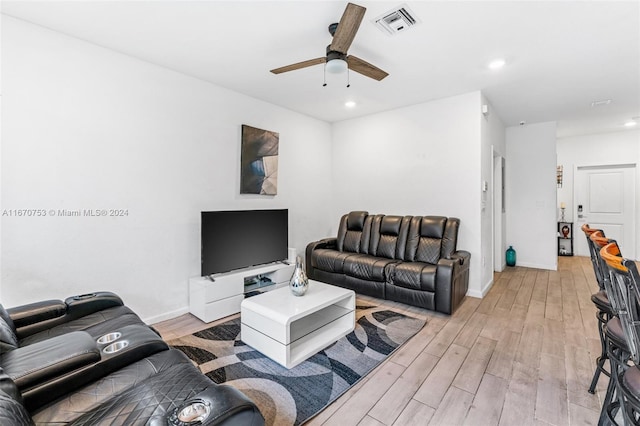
522,355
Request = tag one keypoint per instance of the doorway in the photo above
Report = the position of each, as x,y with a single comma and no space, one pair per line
604,197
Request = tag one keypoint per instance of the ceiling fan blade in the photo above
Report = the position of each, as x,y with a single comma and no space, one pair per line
365,68
347,28
299,65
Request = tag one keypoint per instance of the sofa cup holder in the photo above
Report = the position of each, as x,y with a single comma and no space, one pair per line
109,337
195,412
116,346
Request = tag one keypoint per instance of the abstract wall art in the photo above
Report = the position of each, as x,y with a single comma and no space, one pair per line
259,161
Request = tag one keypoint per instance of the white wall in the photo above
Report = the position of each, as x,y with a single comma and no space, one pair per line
418,160
598,149
531,194
88,128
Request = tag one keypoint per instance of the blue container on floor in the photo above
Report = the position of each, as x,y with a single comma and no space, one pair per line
511,256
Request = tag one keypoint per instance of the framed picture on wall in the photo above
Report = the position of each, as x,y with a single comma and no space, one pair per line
259,161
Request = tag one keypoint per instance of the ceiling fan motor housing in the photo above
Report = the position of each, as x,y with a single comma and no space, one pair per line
332,54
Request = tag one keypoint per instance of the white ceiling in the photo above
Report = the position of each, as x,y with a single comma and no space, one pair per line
561,56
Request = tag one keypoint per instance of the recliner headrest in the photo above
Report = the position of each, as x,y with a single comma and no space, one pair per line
433,226
355,221
390,225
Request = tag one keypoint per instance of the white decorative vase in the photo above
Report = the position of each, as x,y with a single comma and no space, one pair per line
299,282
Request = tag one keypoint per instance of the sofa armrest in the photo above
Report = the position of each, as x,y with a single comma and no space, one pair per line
85,304
452,281
217,405
325,243
32,365
35,317
463,257
33,313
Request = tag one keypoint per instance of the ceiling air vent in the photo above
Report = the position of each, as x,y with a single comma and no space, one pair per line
396,20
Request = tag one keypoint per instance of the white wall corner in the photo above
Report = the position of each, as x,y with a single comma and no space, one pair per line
479,294
165,316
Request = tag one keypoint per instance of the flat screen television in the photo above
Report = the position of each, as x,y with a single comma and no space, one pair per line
242,238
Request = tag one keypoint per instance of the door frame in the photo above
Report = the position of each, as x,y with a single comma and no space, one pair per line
497,221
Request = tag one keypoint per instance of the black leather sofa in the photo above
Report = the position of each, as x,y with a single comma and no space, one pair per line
408,259
90,360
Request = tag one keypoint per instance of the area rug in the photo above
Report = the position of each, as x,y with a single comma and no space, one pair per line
291,397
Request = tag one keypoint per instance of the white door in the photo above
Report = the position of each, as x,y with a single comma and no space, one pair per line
605,199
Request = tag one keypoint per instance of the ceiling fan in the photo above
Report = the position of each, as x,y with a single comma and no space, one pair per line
337,59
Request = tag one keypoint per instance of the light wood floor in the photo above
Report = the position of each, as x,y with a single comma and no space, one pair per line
522,355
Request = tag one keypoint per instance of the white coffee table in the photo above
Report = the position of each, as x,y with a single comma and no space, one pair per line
290,329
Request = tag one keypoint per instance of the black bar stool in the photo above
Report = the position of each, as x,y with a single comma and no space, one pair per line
623,390
601,301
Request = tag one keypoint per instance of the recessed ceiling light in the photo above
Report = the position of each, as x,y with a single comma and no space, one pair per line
350,104
630,123
497,64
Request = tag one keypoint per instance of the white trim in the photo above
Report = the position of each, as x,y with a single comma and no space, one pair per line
480,294
166,316
538,266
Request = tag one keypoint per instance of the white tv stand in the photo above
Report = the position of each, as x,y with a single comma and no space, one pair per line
211,300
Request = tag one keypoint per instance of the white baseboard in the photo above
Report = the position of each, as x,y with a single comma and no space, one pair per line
166,316
483,292
537,266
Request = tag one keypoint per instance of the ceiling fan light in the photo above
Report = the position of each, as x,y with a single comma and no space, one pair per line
336,66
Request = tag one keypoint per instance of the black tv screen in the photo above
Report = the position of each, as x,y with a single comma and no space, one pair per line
242,238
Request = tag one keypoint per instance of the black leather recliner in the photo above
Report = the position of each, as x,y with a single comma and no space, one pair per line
90,360
408,259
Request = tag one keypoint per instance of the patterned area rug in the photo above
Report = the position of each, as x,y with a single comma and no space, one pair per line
291,397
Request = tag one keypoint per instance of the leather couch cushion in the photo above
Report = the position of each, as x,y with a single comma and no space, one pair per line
415,276
149,401
389,236
390,225
428,250
425,240
355,221
91,396
433,226
352,241
329,260
352,231
367,267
